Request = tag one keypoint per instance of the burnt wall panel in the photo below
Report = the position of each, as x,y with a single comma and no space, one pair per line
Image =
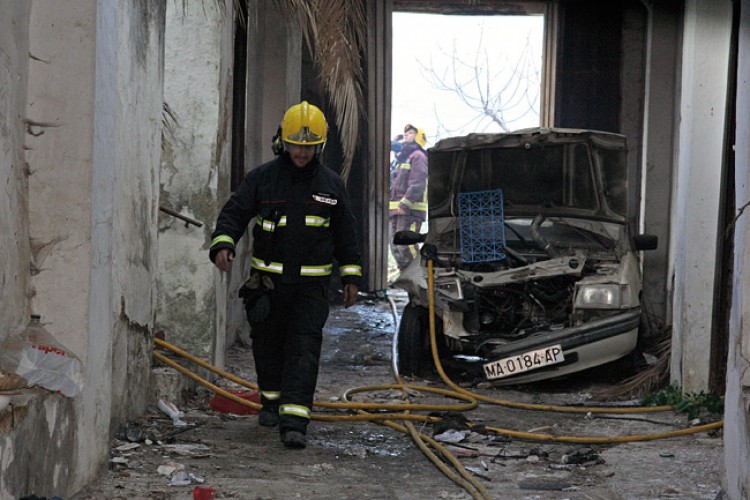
588,70
367,182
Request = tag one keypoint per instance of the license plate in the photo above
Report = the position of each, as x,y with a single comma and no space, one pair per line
524,362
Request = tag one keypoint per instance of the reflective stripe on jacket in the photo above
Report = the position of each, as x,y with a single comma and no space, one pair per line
303,222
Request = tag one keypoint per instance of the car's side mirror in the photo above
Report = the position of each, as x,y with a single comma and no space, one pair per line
408,238
645,241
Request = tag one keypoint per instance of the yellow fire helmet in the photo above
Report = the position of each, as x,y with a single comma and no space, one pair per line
420,138
304,124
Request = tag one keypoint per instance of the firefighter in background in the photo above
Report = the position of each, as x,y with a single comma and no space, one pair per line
397,144
407,208
303,221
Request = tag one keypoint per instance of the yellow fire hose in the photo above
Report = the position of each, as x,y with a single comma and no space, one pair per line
461,476
388,412
555,408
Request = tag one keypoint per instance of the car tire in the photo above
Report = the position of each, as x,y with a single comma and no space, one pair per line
414,351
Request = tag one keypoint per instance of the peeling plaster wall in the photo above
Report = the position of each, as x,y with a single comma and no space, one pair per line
14,238
123,219
197,88
60,140
94,111
37,444
138,100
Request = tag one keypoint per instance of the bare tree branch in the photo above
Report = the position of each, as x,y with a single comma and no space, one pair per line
498,98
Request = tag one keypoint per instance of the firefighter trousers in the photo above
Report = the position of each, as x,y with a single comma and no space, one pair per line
404,254
286,349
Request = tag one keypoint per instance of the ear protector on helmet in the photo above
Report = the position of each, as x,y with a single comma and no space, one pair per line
276,144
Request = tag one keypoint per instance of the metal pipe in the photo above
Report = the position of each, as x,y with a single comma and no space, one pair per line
187,220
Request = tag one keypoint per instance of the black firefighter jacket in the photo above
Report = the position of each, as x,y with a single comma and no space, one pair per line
304,221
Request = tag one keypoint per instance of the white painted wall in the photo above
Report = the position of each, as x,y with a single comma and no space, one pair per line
14,237
125,198
195,160
705,72
93,143
59,155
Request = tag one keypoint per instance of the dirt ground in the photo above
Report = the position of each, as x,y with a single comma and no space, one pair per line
154,459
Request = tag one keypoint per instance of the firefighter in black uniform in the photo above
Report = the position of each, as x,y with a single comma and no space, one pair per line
303,221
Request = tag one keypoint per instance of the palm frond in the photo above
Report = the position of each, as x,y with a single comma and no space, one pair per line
336,31
653,378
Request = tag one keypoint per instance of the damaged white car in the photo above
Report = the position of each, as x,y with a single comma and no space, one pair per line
536,269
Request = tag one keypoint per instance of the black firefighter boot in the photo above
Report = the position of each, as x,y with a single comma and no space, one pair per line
269,415
293,431
293,439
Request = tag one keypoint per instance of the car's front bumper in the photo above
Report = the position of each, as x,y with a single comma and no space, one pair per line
585,346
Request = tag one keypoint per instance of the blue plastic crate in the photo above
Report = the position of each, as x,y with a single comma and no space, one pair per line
481,225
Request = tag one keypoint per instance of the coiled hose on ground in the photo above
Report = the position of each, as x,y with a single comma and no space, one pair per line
388,413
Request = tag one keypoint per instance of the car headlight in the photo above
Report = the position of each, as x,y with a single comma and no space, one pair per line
601,296
449,287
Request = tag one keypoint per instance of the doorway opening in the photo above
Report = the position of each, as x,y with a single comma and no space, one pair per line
456,74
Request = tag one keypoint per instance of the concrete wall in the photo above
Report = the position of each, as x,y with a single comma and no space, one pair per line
14,236
38,446
198,57
60,149
695,212
93,115
737,397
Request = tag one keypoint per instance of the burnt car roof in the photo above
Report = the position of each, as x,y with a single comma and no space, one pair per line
536,135
552,171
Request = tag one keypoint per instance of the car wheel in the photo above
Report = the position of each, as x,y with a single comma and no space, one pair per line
414,352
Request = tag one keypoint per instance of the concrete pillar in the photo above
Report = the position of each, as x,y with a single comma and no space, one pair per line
705,70
737,397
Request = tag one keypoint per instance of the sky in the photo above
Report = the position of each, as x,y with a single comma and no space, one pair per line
487,50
